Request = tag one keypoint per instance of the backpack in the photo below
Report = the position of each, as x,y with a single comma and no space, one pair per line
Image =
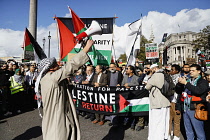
168,88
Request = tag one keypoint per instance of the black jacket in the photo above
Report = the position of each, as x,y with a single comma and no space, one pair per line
200,90
4,77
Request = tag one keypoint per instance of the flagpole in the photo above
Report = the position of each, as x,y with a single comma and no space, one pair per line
131,49
134,42
24,46
58,39
113,40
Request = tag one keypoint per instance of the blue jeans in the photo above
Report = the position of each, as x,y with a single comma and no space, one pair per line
192,125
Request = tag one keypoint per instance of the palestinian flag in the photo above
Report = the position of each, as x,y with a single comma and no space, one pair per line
200,53
136,103
79,27
67,40
30,45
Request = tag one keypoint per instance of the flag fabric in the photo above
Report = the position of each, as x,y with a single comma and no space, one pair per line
200,53
133,41
112,60
134,105
30,45
78,24
80,27
67,40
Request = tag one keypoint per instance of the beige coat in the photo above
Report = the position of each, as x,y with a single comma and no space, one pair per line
157,99
60,120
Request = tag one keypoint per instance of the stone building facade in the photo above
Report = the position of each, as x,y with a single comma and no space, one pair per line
178,48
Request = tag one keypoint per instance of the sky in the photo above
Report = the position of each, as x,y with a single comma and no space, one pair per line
163,16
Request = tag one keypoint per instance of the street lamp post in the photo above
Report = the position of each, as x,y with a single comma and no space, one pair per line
43,40
49,37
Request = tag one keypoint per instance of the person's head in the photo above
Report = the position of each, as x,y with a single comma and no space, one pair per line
175,69
4,67
32,68
186,68
99,69
207,73
89,70
147,69
14,66
26,67
18,72
79,72
47,64
112,67
195,70
55,67
130,70
123,67
139,72
154,68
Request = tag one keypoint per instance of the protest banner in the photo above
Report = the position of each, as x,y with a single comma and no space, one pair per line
112,100
151,50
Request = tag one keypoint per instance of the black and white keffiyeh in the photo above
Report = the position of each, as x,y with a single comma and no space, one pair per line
18,78
43,67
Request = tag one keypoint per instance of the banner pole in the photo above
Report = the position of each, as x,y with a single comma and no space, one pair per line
133,46
113,40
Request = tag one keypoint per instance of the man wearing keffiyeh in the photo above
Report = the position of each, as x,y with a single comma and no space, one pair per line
59,115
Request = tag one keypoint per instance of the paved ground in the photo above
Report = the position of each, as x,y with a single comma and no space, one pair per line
27,126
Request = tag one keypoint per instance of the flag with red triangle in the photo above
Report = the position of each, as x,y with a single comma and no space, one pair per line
67,40
30,45
133,105
80,27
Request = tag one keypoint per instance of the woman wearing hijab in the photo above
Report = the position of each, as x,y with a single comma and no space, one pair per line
17,89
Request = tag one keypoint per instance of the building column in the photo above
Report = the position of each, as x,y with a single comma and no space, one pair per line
181,55
177,53
185,54
173,54
175,58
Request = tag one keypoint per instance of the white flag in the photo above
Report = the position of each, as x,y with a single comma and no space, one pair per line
133,41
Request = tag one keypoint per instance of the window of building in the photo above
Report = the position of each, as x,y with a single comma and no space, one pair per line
180,37
184,36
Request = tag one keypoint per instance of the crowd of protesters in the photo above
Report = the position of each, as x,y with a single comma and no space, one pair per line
17,87
18,82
